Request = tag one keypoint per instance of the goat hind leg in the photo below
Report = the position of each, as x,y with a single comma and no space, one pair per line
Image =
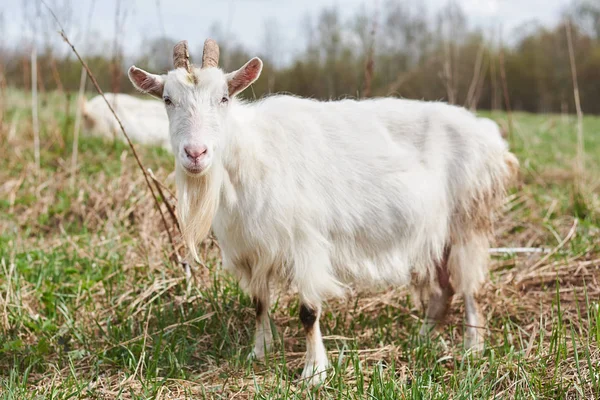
439,303
474,325
437,308
468,266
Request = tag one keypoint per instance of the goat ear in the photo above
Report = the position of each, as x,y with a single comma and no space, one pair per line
239,80
146,82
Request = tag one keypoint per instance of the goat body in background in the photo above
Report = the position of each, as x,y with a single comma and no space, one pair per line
145,121
322,196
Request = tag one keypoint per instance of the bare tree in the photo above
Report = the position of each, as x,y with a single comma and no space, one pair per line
157,55
587,15
34,86
370,59
580,148
505,88
474,87
121,13
405,34
330,43
451,31
2,68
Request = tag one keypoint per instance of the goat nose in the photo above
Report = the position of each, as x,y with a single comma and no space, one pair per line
194,152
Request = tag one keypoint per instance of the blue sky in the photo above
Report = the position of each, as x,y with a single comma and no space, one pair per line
244,19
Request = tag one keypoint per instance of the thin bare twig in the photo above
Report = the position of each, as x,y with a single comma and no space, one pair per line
472,99
169,206
569,236
34,93
164,187
406,76
494,82
447,73
2,92
580,148
135,154
505,91
370,63
117,57
516,250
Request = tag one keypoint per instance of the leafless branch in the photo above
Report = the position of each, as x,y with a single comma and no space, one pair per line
170,208
370,63
505,90
471,94
34,92
175,253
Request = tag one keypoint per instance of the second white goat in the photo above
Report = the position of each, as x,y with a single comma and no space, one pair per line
145,121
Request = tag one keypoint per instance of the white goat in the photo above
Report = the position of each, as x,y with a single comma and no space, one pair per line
145,121
322,196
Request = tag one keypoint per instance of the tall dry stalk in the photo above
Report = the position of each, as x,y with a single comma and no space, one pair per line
447,73
505,91
120,17
2,78
25,65
472,98
494,82
34,92
40,79
2,93
175,256
80,100
580,148
175,253
479,88
55,74
135,154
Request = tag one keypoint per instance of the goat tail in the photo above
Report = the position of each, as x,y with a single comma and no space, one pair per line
510,160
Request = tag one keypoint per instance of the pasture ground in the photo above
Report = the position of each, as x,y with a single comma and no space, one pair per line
90,306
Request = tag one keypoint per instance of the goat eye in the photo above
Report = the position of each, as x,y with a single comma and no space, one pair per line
224,100
167,101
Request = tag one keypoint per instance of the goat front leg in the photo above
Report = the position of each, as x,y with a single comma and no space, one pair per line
263,337
316,356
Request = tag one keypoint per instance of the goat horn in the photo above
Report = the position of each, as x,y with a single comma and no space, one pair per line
181,56
210,54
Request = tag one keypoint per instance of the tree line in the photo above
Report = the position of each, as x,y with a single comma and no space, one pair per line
396,49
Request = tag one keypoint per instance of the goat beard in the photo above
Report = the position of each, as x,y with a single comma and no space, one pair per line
198,201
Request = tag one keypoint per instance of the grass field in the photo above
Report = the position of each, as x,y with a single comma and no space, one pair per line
90,306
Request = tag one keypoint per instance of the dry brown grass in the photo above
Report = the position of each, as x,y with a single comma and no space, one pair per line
85,273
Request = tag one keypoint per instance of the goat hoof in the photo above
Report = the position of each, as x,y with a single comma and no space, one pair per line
474,343
426,330
256,355
314,375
